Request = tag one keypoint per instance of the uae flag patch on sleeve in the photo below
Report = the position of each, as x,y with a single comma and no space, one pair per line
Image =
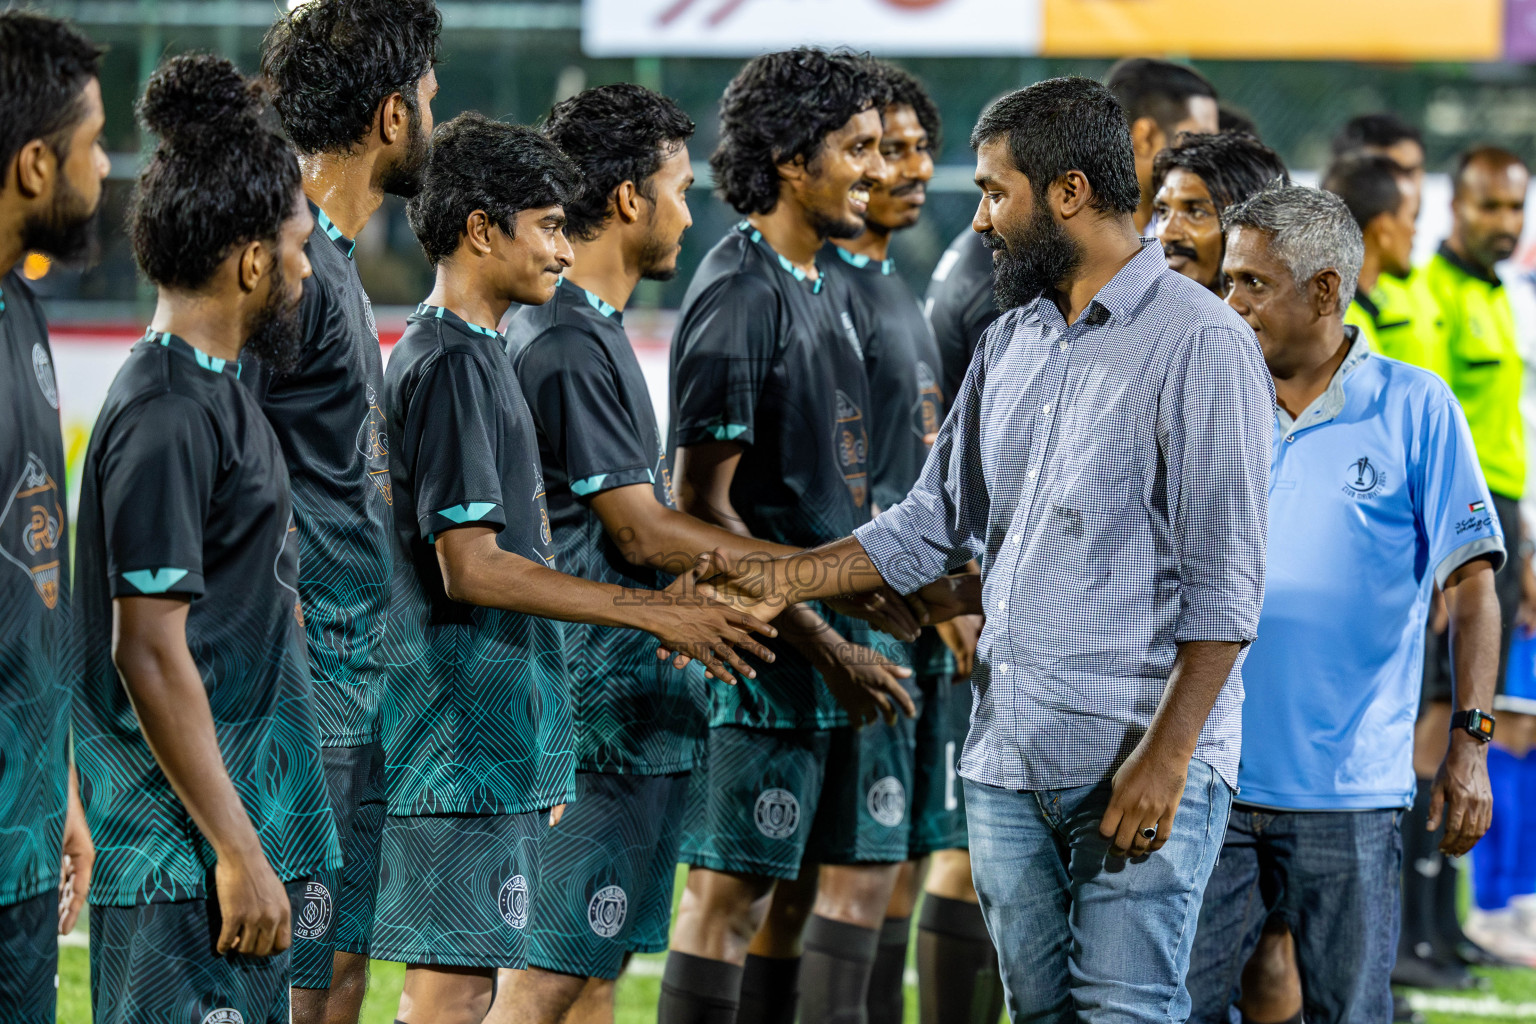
1476,506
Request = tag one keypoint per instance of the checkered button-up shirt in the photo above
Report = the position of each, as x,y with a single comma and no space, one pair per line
1112,476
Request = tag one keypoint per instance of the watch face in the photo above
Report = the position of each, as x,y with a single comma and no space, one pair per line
1482,724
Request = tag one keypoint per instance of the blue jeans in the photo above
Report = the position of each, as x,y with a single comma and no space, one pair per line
1333,878
1082,935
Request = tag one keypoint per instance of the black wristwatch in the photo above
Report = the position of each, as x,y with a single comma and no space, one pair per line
1478,724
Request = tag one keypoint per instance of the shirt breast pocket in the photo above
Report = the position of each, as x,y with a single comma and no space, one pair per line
1097,495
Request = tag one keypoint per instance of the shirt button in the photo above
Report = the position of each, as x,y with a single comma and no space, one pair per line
1289,438
1034,473
1061,345
1002,667
1002,604
1015,538
1046,409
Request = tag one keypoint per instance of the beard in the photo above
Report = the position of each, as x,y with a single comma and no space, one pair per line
67,233
831,226
404,179
276,332
1024,268
658,259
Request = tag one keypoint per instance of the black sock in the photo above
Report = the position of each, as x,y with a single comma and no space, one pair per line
769,987
886,1002
957,977
1289,1020
696,990
834,975
1423,863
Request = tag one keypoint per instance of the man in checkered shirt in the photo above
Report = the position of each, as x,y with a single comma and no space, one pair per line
1107,461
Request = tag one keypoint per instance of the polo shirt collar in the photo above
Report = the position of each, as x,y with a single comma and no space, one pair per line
1331,402
1446,253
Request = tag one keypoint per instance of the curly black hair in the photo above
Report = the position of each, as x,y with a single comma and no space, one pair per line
614,134
1066,124
1233,165
481,164
44,68
218,179
782,106
907,90
331,63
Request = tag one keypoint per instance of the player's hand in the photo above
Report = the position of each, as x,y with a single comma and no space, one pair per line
866,683
1461,795
78,860
692,625
254,906
947,597
960,635
884,609
555,814
1145,793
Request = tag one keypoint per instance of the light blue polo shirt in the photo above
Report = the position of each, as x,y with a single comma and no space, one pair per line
1375,496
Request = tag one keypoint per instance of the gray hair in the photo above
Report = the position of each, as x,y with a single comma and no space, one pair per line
1310,231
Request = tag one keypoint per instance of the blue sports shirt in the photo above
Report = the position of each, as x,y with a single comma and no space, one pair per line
1375,496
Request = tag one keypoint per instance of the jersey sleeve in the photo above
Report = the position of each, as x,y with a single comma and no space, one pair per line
157,479
451,442
572,390
1450,496
727,344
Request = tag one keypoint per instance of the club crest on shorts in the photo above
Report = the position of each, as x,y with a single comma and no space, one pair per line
777,813
887,801
224,1015
42,366
513,902
315,919
606,911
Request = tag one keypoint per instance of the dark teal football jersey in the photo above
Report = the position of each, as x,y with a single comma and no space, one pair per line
597,431
475,715
768,358
35,677
184,494
960,305
336,442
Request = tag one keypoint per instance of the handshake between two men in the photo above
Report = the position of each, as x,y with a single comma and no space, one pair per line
720,602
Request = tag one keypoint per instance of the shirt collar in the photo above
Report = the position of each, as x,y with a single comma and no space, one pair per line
594,300
746,228
1331,402
428,312
1121,293
213,364
1446,253
344,245
887,266
1371,309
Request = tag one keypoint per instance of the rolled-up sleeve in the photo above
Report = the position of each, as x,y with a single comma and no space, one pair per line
1216,429
941,524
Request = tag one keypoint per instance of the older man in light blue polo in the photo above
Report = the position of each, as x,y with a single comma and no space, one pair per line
1375,498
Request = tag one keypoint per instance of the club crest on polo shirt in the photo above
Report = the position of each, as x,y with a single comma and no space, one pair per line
1364,479
777,813
513,902
32,527
606,911
852,448
224,1015
315,919
373,446
887,801
42,367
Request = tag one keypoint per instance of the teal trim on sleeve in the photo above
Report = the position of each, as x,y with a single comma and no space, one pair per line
156,581
727,431
471,513
582,488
